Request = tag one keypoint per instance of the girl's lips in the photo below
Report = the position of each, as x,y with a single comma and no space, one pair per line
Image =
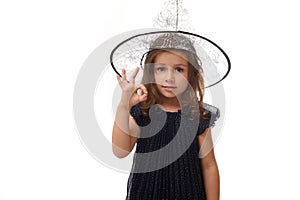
169,88
164,86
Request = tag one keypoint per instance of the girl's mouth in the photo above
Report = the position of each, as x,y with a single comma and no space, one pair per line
169,88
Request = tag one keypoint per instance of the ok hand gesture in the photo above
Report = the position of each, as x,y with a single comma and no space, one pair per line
131,94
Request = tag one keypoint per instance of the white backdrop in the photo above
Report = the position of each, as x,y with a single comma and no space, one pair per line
43,45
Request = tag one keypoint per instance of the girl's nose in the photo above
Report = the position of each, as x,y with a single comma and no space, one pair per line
170,76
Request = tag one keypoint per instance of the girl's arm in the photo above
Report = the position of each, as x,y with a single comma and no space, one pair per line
125,132
209,166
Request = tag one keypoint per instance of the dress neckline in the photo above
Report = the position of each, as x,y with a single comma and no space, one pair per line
168,112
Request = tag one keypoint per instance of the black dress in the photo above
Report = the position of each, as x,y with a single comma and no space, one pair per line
166,162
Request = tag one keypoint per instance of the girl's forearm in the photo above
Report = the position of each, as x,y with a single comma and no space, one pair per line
212,182
121,139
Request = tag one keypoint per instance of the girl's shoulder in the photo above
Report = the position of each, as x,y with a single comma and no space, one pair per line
135,110
209,119
136,113
213,113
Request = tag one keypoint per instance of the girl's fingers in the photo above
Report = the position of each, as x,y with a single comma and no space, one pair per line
123,74
135,72
141,90
144,89
119,78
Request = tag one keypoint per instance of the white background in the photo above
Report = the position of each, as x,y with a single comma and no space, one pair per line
43,45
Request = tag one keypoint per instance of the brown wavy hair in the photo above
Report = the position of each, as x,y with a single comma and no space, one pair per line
195,79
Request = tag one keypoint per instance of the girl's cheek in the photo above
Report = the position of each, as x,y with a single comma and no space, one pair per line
158,79
181,79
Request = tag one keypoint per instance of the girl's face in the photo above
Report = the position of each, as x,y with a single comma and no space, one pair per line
171,73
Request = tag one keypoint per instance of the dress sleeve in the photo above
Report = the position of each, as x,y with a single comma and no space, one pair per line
136,113
212,116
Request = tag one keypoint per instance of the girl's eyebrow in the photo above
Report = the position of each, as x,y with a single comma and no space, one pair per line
176,65
182,65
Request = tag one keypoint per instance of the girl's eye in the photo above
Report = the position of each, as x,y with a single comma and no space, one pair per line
178,69
161,69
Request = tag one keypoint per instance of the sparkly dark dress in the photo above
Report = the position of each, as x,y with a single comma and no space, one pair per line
166,162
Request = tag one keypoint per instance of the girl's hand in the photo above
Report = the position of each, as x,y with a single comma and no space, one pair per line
129,90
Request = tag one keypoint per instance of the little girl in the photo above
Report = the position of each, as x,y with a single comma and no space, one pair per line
165,116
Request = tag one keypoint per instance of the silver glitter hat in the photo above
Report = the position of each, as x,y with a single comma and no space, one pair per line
173,40
131,52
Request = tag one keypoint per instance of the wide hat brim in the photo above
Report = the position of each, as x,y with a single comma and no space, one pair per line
131,52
